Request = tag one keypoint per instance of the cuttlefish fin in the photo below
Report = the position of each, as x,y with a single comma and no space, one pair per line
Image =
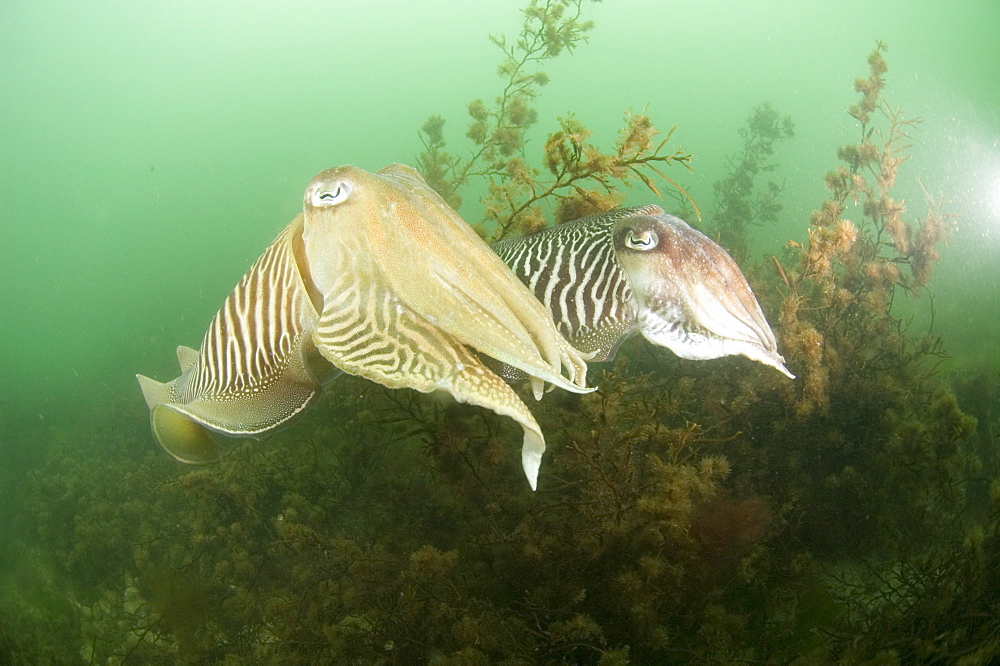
184,429
393,346
280,397
153,392
183,437
186,357
177,433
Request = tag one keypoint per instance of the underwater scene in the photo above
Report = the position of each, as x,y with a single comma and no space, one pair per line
516,332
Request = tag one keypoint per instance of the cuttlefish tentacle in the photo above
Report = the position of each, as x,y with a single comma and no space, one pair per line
608,276
252,373
409,290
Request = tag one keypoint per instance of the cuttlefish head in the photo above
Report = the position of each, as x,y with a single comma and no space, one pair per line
691,295
389,228
409,296
371,224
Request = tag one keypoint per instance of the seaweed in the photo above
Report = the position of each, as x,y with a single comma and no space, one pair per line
581,178
739,202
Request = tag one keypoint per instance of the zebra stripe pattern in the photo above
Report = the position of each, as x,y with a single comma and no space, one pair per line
572,270
373,334
249,342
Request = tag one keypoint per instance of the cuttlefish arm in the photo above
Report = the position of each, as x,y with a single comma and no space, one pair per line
256,368
409,291
368,333
691,297
439,266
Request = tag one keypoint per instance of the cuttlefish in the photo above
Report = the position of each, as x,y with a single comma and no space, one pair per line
608,276
379,278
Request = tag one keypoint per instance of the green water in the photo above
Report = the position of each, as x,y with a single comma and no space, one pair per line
150,151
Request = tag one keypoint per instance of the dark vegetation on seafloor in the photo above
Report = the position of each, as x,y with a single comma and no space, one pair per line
688,511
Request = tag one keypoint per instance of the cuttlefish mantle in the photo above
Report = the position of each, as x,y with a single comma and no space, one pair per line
257,368
379,278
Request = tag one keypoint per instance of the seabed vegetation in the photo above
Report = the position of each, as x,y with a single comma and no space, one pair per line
689,512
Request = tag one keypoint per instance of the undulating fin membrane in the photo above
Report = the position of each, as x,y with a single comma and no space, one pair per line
186,440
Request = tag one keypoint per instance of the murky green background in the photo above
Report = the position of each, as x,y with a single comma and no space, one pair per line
150,150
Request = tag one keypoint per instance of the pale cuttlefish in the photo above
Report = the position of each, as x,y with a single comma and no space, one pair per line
381,278
608,276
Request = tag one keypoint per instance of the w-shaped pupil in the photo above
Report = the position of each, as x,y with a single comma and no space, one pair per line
642,240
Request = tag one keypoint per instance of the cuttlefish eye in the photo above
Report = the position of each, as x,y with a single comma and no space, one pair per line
641,240
330,195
